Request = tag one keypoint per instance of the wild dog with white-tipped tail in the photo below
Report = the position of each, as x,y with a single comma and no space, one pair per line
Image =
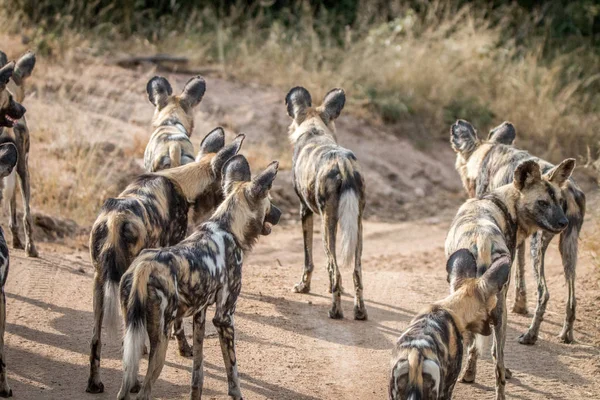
427,358
183,280
328,181
151,212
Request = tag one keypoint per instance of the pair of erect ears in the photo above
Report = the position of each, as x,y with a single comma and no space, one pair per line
298,101
529,172
159,91
234,167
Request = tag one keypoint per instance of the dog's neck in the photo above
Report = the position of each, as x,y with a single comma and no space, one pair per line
173,121
193,178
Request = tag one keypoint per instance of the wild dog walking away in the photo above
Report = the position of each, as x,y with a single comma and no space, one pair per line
173,123
494,225
18,133
151,212
10,113
183,280
486,165
328,181
427,358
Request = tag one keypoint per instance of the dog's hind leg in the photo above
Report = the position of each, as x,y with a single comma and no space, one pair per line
568,250
307,233
95,385
5,390
520,306
330,222
539,245
23,172
159,343
11,196
184,348
360,312
500,321
197,368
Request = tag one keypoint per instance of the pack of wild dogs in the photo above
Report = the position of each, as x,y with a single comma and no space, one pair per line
147,268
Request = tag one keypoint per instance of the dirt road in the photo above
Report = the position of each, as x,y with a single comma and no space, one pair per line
288,348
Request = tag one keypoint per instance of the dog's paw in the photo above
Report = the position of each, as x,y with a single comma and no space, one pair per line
527,339
360,313
566,336
302,288
94,387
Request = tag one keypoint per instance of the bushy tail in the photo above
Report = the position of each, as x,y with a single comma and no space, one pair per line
415,375
348,214
111,307
175,154
484,254
135,326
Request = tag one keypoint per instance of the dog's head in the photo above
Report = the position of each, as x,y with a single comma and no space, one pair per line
179,108
247,209
8,159
541,204
10,110
473,299
304,116
214,154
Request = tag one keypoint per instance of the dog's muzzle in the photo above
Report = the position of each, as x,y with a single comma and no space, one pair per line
271,219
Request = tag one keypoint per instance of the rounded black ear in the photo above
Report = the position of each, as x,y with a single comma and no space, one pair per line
527,173
504,133
463,136
332,106
193,92
159,89
562,172
8,159
3,59
226,153
460,265
262,183
297,101
212,142
236,169
496,276
24,67
6,73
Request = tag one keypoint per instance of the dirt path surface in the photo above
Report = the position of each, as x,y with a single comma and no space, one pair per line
288,348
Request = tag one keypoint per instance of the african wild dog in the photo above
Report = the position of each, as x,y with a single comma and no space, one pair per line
10,112
18,133
486,165
183,280
427,358
173,123
151,212
328,181
495,224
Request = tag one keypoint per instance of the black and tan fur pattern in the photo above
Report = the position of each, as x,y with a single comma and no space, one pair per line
8,160
173,123
183,280
151,212
328,181
17,132
487,165
494,225
427,358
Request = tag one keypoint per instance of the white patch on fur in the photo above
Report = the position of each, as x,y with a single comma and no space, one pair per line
212,267
348,219
420,343
431,368
178,136
163,307
481,342
181,128
111,308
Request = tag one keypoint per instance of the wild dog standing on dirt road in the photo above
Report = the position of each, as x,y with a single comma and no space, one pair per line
10,113
486,165
18,133
427,358
151,212
328,181
494,225
173,123
183,280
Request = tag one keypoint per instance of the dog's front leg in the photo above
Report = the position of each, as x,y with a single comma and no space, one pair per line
223,321
184,348
197,368
500,319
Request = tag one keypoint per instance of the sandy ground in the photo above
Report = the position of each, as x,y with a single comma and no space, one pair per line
287,347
